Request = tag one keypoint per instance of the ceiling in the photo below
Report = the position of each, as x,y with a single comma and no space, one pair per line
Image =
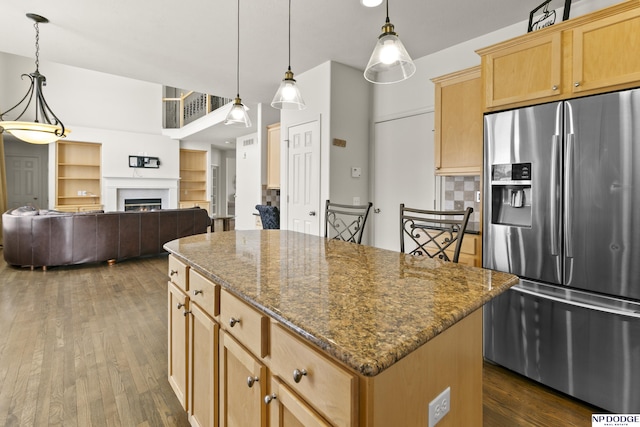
191,44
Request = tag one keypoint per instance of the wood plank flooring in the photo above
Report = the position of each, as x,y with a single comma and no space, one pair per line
87,346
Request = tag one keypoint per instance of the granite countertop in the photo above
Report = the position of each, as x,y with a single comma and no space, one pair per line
366,307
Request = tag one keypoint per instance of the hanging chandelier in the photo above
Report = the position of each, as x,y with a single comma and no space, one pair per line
46,127
238,114
390,62
288,95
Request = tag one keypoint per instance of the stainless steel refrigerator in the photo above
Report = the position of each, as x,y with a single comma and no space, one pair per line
562,211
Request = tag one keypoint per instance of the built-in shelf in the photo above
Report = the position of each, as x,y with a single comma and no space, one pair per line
78,176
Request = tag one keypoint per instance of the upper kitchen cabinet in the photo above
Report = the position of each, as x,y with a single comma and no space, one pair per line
605,52
273,156
458,123
523,70
590,54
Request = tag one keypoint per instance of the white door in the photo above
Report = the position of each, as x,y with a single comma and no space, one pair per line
403,173
304,178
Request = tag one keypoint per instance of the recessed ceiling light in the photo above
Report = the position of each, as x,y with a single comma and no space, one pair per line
371,3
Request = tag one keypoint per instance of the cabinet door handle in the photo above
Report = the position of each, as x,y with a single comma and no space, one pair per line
252,380
197,291
233,321
269,397
298,374
172,272
179,305
554,87
576,84
186,312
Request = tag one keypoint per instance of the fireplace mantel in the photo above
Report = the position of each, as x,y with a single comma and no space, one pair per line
116,188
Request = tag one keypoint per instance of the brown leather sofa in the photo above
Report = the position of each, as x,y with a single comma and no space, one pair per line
48,238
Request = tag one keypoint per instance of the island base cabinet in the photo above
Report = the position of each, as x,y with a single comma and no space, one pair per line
286,409
203,369
243,386
177,348
400,395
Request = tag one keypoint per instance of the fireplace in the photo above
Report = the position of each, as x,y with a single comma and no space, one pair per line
118,189
142,204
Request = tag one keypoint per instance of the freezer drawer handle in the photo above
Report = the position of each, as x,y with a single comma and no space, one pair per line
624,313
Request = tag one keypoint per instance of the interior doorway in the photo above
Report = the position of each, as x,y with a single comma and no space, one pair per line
27,168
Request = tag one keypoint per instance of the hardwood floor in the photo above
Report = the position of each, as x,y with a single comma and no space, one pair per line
87,346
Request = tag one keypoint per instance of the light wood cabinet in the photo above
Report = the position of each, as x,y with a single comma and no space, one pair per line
528,71
203,368
243,385
78,176
458,123
289,410
193,179
273,156
177,348
590,54
471,250
605,52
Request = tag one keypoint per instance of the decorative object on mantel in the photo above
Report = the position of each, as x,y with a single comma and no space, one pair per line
144,162
238,113
547,14
389,62
288,95
46,127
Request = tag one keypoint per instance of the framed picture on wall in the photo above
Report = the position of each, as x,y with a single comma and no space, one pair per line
548,13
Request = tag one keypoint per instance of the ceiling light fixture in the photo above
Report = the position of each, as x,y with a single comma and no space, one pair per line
389,62
46,127
371,3
288,95
238,114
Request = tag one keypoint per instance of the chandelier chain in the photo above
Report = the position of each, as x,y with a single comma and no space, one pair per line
37,45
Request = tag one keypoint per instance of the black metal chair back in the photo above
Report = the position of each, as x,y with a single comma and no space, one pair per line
269,216
436,234
345,222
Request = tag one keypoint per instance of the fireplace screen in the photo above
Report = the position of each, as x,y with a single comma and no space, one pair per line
142,204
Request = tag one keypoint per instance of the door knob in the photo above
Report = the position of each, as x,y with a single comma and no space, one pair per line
312,213
376,211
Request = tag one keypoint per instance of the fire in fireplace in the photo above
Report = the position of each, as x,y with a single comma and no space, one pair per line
142,204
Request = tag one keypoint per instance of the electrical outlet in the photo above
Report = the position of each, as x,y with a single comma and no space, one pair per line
439,407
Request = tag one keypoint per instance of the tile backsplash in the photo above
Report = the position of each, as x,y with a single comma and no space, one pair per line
270,196
460,193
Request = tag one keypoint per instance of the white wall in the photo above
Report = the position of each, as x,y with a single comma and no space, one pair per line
350,113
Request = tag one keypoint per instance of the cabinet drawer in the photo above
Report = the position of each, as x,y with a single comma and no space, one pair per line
205,293
247,325
178,273
328,388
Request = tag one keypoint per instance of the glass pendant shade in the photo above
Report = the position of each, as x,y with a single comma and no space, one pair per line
390,62
34,133
238,115
288,95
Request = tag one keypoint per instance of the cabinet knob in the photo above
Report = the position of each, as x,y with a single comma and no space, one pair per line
186,312
554,87
269,397
179,305
233,321
197,291
298,374
251,380
172,272
576,84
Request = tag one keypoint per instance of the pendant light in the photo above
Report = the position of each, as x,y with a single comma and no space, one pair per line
238,114
288,95
46,127
389,62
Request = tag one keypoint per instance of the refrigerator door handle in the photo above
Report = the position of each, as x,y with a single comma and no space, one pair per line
555,224
610,310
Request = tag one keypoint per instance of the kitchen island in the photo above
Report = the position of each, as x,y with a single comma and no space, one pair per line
323,332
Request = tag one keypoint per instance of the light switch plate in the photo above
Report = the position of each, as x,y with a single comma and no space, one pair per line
356,172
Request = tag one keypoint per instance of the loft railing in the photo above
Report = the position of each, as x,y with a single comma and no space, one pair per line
184,109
